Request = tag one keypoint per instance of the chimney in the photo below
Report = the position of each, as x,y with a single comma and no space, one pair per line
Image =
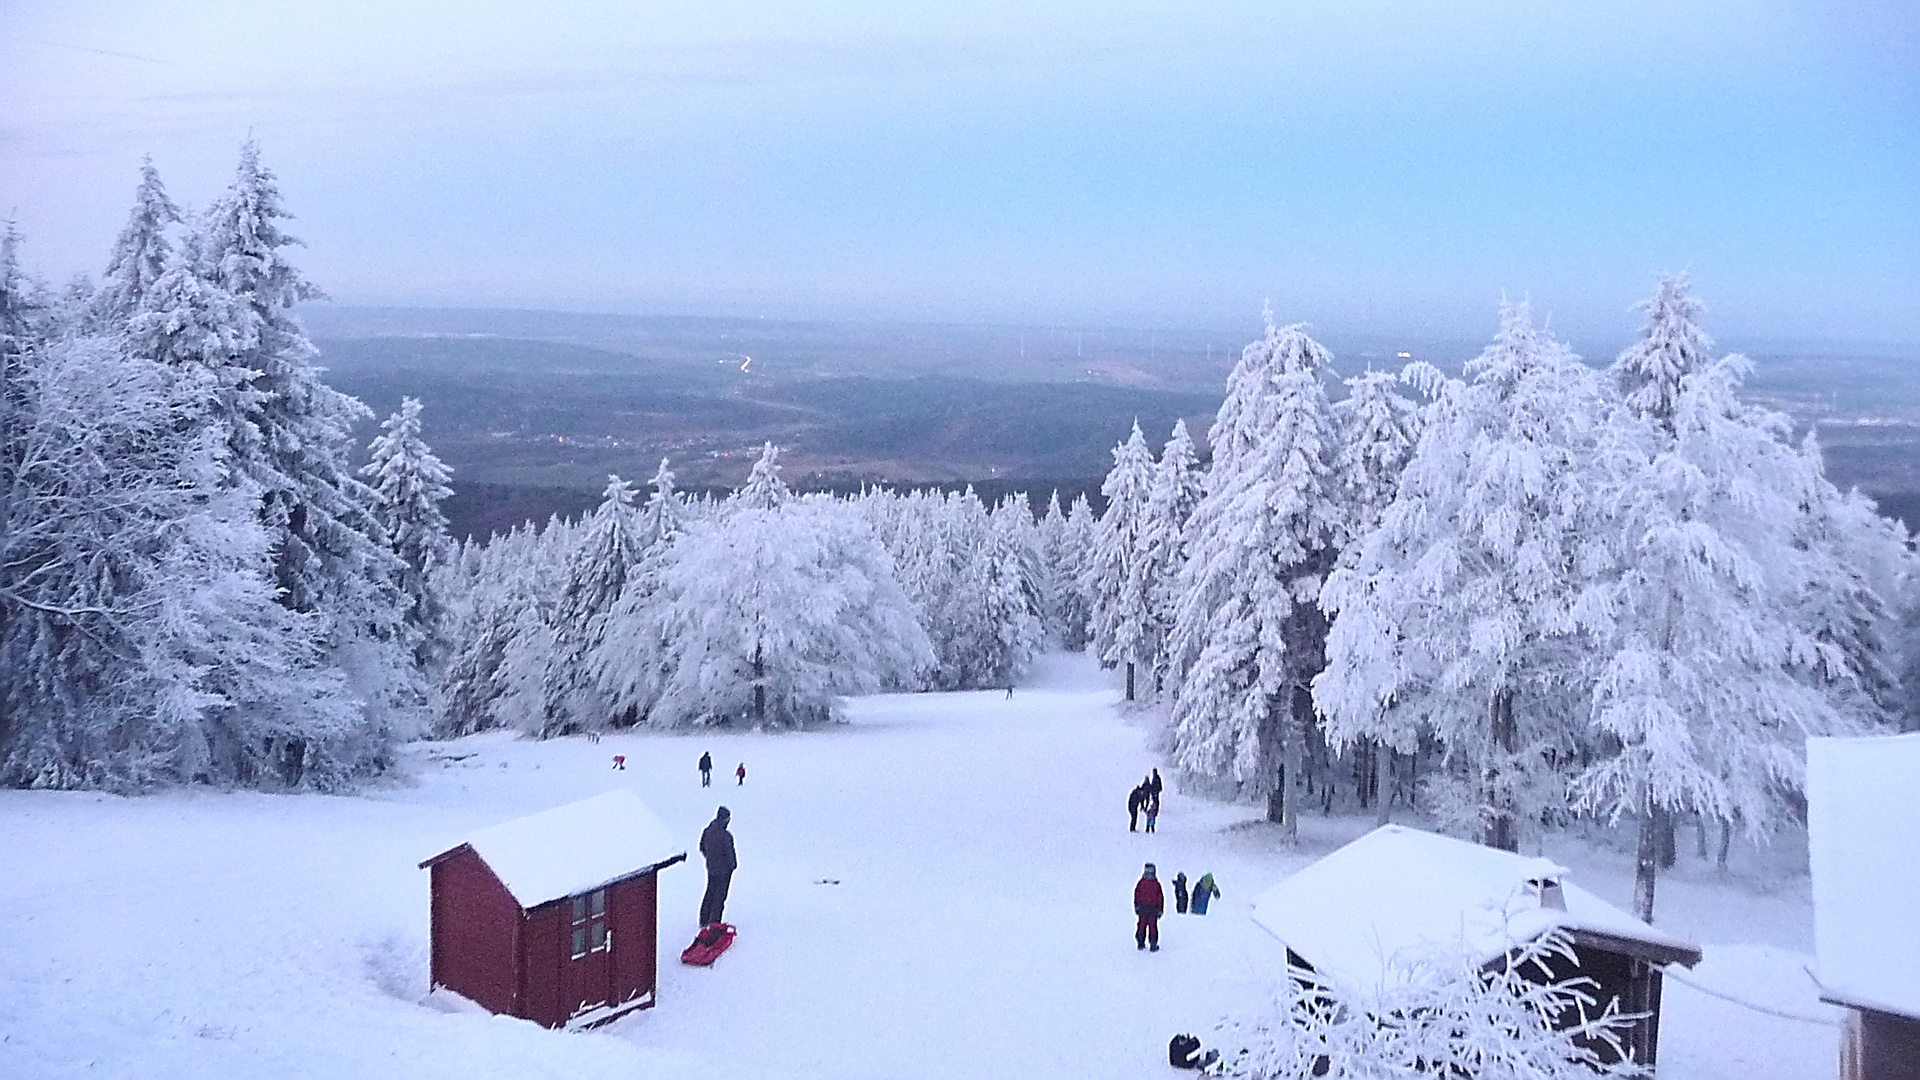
1541,879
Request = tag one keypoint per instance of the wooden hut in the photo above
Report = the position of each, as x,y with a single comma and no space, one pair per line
1403,893
553,917
1863,801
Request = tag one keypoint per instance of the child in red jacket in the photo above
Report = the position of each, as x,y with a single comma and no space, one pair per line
1148,903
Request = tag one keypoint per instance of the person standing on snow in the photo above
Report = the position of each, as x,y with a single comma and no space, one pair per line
1153,784
1134,798
1204,891
1148,903
740,775
716,846
1152,807
1180,893
706,769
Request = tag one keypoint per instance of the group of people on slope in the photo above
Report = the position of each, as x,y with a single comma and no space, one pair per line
1150,902
706,771
1145,797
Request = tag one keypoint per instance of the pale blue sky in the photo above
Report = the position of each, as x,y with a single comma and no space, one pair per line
1371,166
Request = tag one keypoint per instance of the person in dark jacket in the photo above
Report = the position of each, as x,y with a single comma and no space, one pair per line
1148,903
1134,798
1153,783
716,846
706,769
1180,893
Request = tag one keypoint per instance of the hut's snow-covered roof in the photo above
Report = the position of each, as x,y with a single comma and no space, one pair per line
575,848
1863,829
1398,894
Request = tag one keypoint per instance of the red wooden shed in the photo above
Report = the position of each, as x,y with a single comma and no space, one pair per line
553,917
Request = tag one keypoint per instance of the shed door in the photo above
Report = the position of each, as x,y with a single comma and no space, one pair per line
587,975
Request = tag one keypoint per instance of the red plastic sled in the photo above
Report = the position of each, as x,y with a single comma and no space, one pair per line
708,944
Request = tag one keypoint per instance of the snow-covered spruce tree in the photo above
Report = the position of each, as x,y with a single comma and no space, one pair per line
1076,546
1247,634
1438,1016
411,483
768,613
764,488
1178,485
1013,593
601,562
290,434
628,661
495,593
141,253
1117,577
1378,429
1457,615
148,624
1053,532
1739,618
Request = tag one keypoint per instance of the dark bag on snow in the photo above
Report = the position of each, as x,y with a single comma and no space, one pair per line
1181,1050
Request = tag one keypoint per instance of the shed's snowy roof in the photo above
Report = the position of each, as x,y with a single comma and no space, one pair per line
1863,803
1403,892
574,848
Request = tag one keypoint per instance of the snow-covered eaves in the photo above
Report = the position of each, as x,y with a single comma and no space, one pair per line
574,848
1863,832
1396,896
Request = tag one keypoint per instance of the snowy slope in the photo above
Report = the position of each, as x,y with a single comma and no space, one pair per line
981,925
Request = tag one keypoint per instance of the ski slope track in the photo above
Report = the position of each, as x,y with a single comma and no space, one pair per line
980,925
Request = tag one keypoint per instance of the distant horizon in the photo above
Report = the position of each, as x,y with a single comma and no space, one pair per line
1379,166
1220,335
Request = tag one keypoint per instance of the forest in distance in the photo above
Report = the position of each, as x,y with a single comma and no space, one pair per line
533,409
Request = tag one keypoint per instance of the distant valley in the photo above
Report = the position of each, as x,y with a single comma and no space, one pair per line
534,409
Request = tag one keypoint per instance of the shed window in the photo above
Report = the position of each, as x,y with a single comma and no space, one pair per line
589,911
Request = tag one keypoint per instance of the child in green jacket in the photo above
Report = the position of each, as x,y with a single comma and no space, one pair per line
1204,891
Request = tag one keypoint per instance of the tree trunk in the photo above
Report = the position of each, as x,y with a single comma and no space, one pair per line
1726,841
759,688
1281,807
1700,834
1129,680
1382,782
1669,841
1502,830
1646,866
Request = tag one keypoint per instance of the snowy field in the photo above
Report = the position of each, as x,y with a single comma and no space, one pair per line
981,925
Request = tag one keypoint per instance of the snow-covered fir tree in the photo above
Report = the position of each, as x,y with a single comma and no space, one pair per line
1379,427
290,434
628,661
1712,667
1013,593
601,561
768,613
1248,636
1458,614
1077,548
1117,575
141,253
1178,485
411,483
1052,529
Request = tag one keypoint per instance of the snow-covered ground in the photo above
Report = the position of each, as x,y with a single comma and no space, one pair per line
981,924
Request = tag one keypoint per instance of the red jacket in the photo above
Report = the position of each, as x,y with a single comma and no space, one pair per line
1148,900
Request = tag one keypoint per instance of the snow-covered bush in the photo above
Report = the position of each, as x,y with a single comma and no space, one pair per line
1437,1016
